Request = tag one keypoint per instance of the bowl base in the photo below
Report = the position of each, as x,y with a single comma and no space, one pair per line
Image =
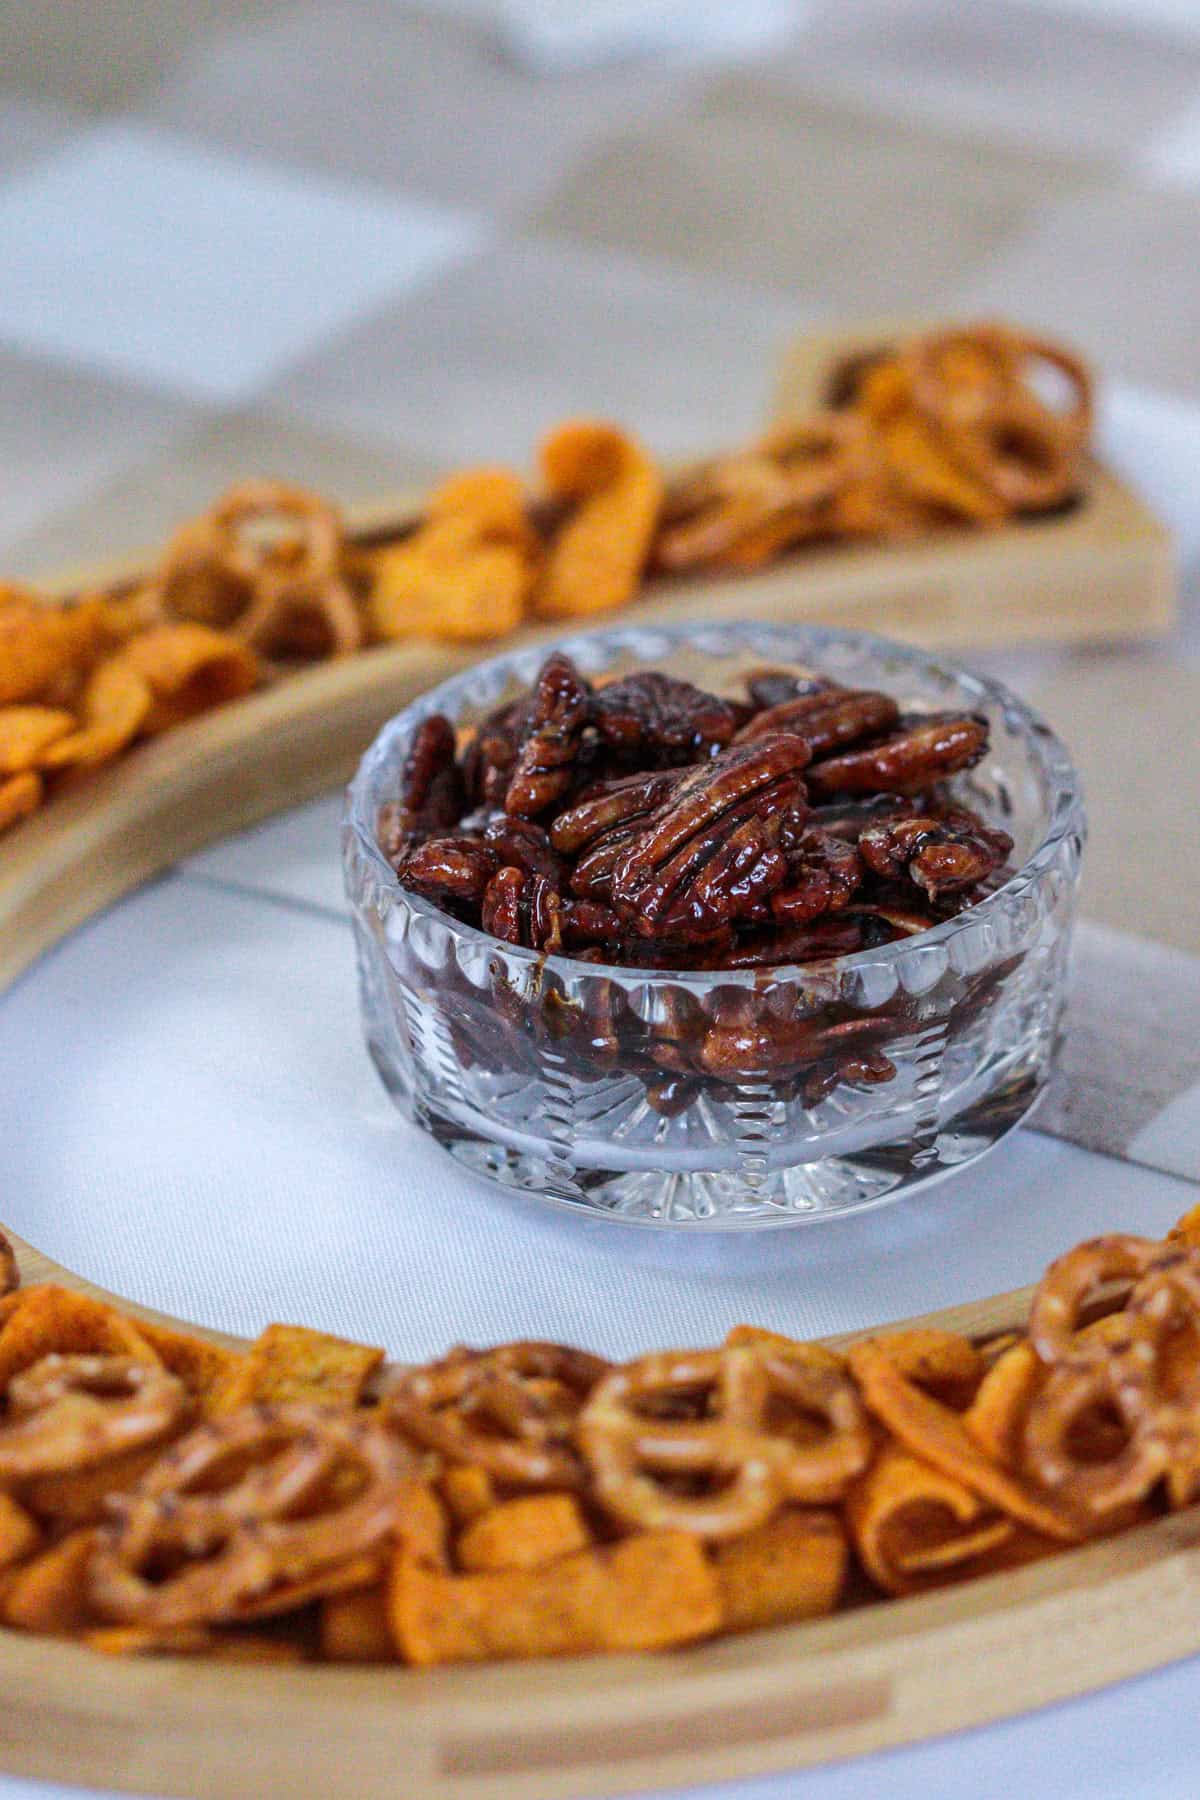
730,1200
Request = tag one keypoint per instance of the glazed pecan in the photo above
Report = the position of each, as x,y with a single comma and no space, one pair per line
489,759
823,872
650,720
774,687
545,764
609,804
747,1041
943,853
815,942
920,751
830,719
602,824
448,869
709,853
520,844
523,909
432,796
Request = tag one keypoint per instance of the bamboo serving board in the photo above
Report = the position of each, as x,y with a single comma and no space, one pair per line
864,1680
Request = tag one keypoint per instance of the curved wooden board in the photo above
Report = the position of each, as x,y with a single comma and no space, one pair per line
866,1679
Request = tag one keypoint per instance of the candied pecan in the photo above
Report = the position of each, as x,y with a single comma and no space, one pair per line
815,942
600,826
545,764
488,761
448,869
747,1041
822,874
774,687
655,720
618,802
432,796
520,844
590,922
829,720
900,920
866,1068
943,854
708,854
523,909
672,1095
921,750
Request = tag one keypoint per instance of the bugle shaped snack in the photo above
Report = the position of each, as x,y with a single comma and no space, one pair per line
115,705
914,1527
935,1434
26,732
466,572
189,669
20,795
614,490
19,1532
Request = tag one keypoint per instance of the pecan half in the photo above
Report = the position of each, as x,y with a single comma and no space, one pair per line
545,764
600,826
489,759
523,909
823,872
830,719
942,854
919,752
774,687
448,869
432,796
709,853
520,844
651,719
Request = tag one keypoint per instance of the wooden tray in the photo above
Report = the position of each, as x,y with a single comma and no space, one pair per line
861,1681
1101,571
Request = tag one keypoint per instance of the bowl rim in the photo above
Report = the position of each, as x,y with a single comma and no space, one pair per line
1066,809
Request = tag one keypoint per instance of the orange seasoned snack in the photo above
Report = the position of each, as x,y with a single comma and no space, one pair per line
964,427
160,1495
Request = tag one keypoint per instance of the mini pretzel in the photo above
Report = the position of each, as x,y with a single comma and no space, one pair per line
276,1529
266,560
749,507
270,528
991,360
1019,451
71,1412
700,1441
1069,1392
1075,1279
510,1411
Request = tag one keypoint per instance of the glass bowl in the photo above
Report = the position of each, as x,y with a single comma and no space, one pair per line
584,1084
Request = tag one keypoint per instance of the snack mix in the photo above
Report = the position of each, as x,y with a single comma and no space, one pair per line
300,1499
953,429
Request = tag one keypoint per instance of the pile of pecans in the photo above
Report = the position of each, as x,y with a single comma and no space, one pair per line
650,824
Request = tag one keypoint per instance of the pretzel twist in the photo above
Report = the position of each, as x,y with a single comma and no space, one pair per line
72,1412
714,1441
511,1411
247,1513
